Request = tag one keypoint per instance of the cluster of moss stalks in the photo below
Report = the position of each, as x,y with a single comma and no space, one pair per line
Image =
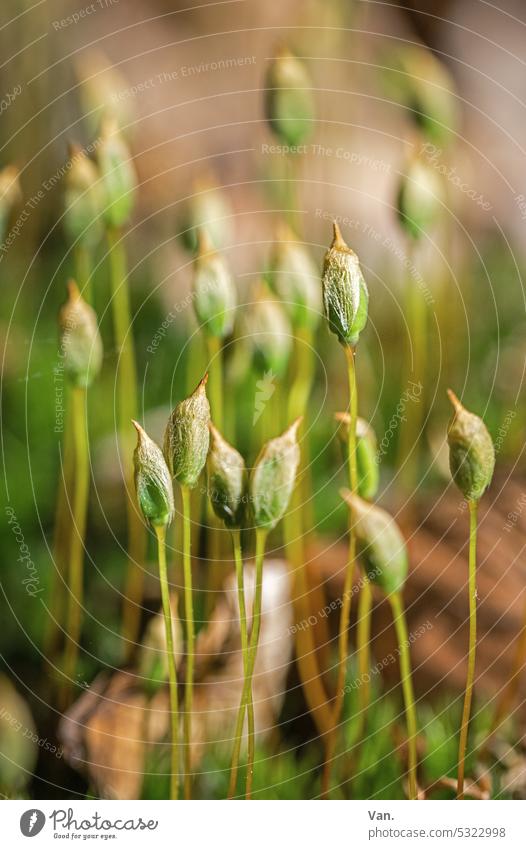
100,199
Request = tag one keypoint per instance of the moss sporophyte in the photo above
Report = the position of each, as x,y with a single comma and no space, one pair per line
118,182
156,501
382,548
227,486
81,350
289,103
345,294
270,488
472,461
186,442
345,300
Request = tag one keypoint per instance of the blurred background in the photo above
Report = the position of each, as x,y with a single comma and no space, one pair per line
187,81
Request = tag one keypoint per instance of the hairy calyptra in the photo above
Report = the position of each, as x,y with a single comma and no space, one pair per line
366,454
380,543
273,476
83,199
187,437
152,480
471,451
119,181
345,295
289,105
80,340
226,480
420,198
213,288
295,278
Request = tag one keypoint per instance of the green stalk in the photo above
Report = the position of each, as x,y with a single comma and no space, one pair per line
473,506
363,637
293,531
297,406
215,395
343,636
172,673
236,541
246,695
410,436
291,173
76,553
397,608
127,410
83,272
61,536
215,379
190,639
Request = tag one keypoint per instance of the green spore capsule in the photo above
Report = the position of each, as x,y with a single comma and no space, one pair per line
345,295
471,451
423,84
213,288
207,209
187,437
273,476
153,656
295,278
80,340
119,181
83,199
366,454
289,104
226,480
152,481
269,333
420,197
380,543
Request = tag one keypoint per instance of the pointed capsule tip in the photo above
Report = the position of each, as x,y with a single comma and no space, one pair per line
292,430
73,289
351,498
457,406
343,418
204,243
74,150
202,383
140,430
346,494
216,434
337,239
284,232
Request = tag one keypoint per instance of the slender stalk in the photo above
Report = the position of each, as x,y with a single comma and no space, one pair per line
190,640
397,608
76,553
473,507
213,536
215,379
261,536
363,637
126,379
172,672
343,636
61,535
416,312
236,541
291,173
83,271
294,532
